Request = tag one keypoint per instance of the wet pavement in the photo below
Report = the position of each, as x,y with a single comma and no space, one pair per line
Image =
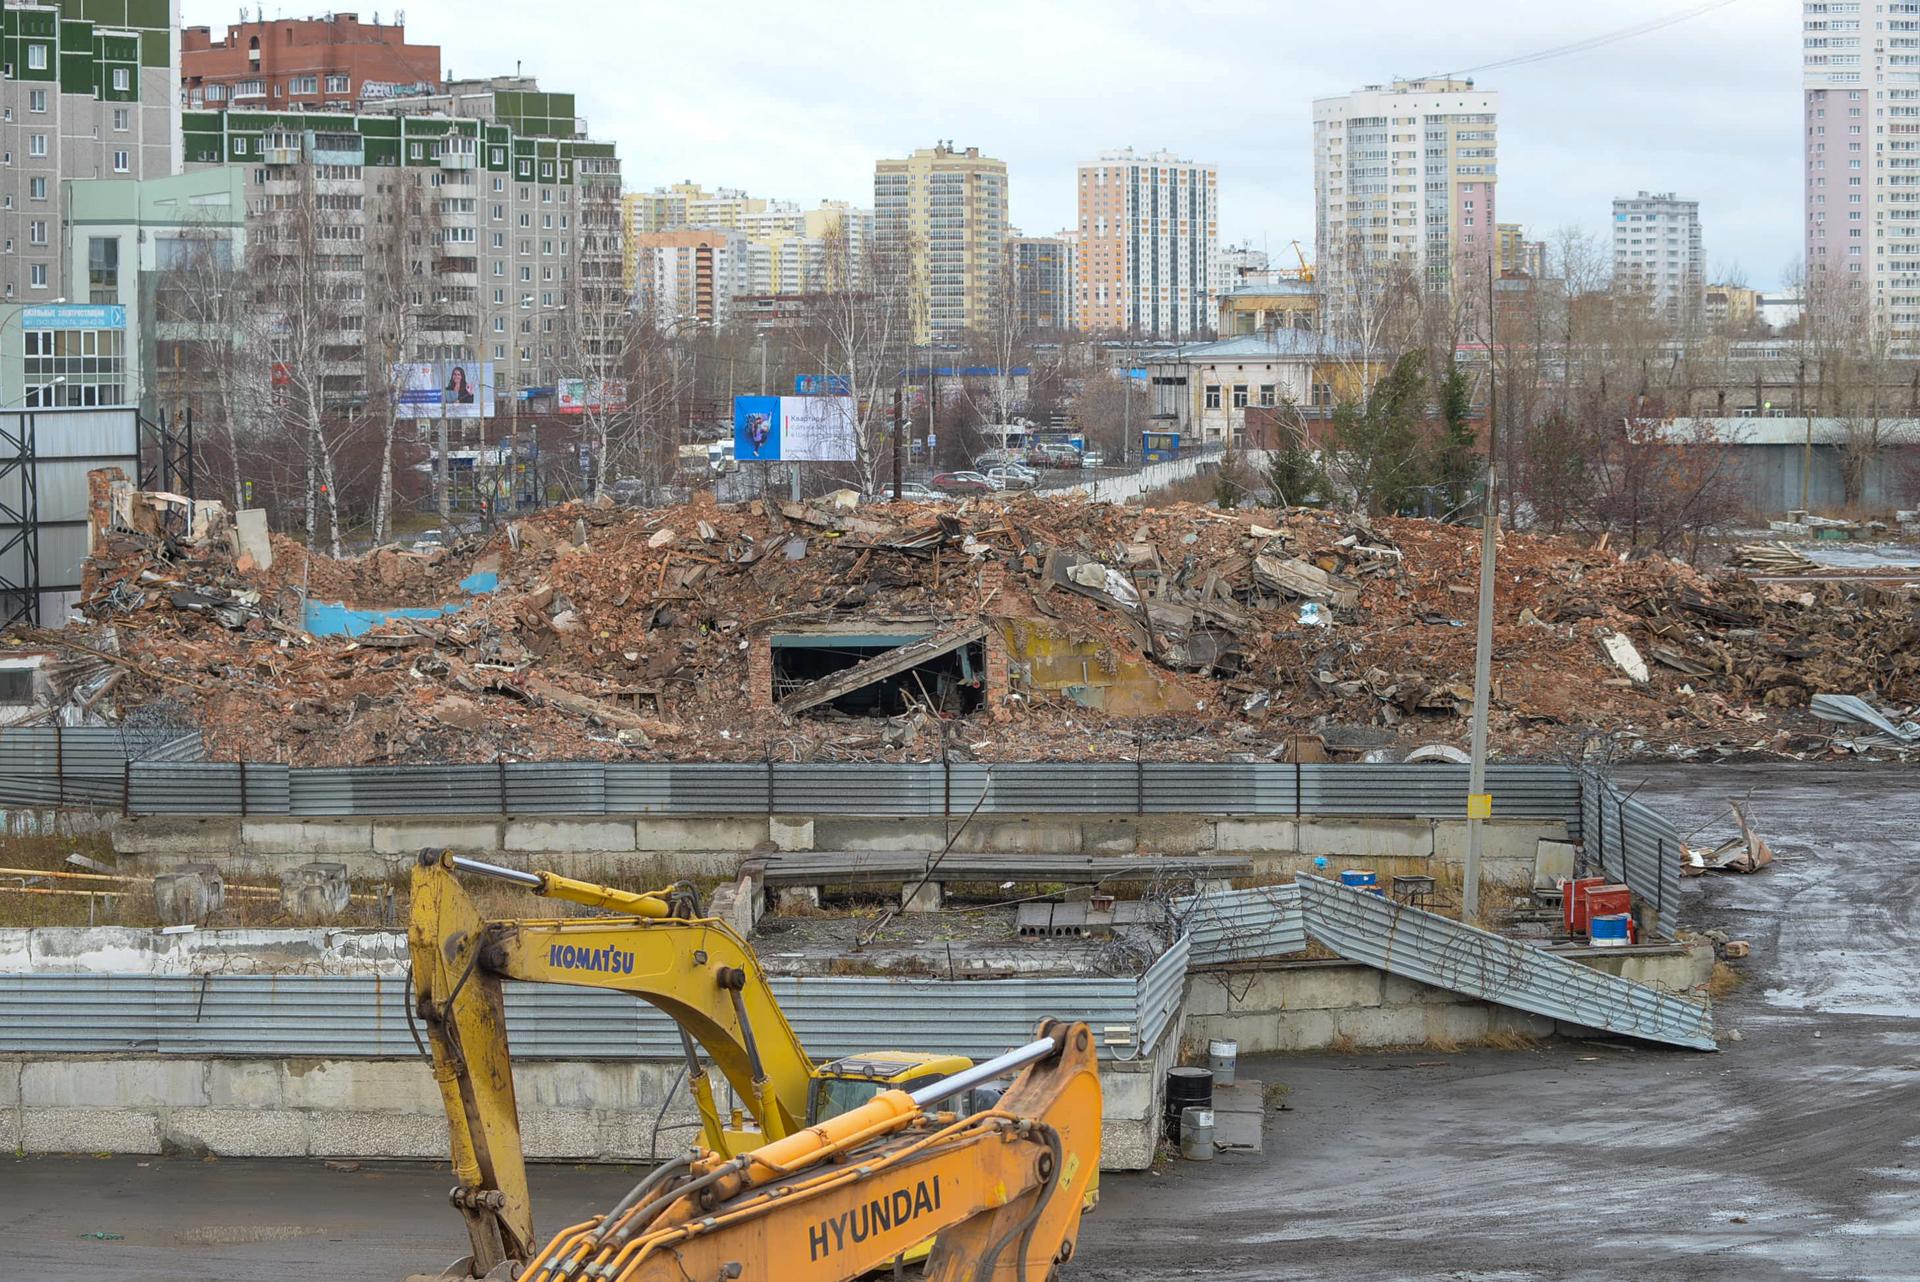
1793,1153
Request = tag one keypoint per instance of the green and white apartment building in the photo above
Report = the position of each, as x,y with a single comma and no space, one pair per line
513,217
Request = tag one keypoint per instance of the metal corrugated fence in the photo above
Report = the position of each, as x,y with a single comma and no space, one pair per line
1432,949
1630,842
83,766
365,1016
1243,925
928,790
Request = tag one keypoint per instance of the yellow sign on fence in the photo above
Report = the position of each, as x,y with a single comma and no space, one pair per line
1480,805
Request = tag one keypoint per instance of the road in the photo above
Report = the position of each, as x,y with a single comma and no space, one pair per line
1793,1154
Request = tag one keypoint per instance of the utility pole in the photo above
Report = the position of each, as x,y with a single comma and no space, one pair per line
1479,803
899,431
1806,456
443,470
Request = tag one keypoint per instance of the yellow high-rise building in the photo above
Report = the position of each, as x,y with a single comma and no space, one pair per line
947,209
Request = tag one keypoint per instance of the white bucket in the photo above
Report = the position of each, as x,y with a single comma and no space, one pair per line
1196,1134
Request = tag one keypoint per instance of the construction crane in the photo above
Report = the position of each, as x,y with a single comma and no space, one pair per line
1000,1192
1305,272
695,969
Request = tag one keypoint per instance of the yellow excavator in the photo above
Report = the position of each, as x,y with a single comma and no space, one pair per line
655,947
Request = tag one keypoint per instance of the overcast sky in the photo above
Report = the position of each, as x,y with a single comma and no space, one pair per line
797,100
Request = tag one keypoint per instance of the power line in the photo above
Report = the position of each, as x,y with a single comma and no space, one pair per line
1594,42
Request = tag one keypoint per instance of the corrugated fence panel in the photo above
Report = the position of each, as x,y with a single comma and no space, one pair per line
1243,925
207,787
398,790
1432,949
1225,788
556,788
857,788
1161,990
639,788
1633,844
1039,787
84,765
1436,790
721,789
366,1016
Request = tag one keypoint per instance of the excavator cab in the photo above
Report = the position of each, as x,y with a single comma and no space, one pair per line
842,1085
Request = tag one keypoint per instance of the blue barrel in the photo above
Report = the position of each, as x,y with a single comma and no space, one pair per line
1364,879
1610,932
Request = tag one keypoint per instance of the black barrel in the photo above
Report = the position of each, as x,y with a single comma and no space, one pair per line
1186,1088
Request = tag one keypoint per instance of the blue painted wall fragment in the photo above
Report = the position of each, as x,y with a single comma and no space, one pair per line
335,619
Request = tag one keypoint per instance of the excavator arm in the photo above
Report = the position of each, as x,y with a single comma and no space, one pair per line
696,970
1001,1191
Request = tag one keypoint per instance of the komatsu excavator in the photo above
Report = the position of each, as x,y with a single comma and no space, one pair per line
706,978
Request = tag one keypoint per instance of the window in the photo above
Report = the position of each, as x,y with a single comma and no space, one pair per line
1213,396
122,80
103,269
304,84
216,93
416,151
37,232
250,89
1239,396
38,276
36,100
36,57
337,83
36,189
122,120
120,162
36,144
1267,395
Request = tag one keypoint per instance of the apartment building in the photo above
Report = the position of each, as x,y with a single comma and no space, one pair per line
1044,276
946,209
1861,86
1149,244
1513,252
690,275
81,99
333,63
787,243
501,216
1657,253
1404,179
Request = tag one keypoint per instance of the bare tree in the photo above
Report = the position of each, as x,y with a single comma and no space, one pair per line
859,328
206,325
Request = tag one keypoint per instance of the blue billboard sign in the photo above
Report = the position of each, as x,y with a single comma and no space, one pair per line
74,316
822,385
790,429
756,429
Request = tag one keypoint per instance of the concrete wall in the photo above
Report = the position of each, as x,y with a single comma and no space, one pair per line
1309,1005
587,1110
714,845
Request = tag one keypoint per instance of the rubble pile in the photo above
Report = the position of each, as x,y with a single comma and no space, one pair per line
629,633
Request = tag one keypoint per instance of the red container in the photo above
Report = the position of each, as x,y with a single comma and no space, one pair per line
1573,912
1604,901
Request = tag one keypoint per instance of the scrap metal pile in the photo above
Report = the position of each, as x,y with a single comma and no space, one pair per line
618,632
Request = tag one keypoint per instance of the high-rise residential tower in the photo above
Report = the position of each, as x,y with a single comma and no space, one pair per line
947,210
1656,251
1861,75
1149,234
1404,176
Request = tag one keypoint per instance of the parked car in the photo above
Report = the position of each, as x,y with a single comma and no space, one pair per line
910,492
993,459
1093,458
965,483
1013,476
1059,456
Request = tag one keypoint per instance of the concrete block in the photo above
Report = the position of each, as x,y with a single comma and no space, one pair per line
306,836
675,836
189,894
1365,838
1395,991
1383,1025
841,832
418,1135
1303,1030
920,897
315,890
1458,1021
1505,1019
244,1083
359,1085
1147,834
1335,987
248,1132
800,896
790,832
169,837
574,835
410,836
1552,863
88,1130
10,1070
112,1084
1256,836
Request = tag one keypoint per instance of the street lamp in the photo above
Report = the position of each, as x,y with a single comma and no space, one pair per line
37,388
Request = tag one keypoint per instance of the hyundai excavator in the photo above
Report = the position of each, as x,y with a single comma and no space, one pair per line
700,973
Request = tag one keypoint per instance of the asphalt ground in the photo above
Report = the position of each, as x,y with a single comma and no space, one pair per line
1793,1153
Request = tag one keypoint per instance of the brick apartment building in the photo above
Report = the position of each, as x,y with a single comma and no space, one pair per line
304,64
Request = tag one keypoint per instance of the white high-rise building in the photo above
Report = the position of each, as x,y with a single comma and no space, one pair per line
1656,251
1862,193
1403,176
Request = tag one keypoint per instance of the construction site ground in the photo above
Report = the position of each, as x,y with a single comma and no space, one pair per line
1794,1153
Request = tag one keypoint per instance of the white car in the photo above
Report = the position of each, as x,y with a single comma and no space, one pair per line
1014,477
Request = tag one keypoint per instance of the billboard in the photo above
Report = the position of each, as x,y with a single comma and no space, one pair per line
822,385
444,389
579,395
793,429
74,316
